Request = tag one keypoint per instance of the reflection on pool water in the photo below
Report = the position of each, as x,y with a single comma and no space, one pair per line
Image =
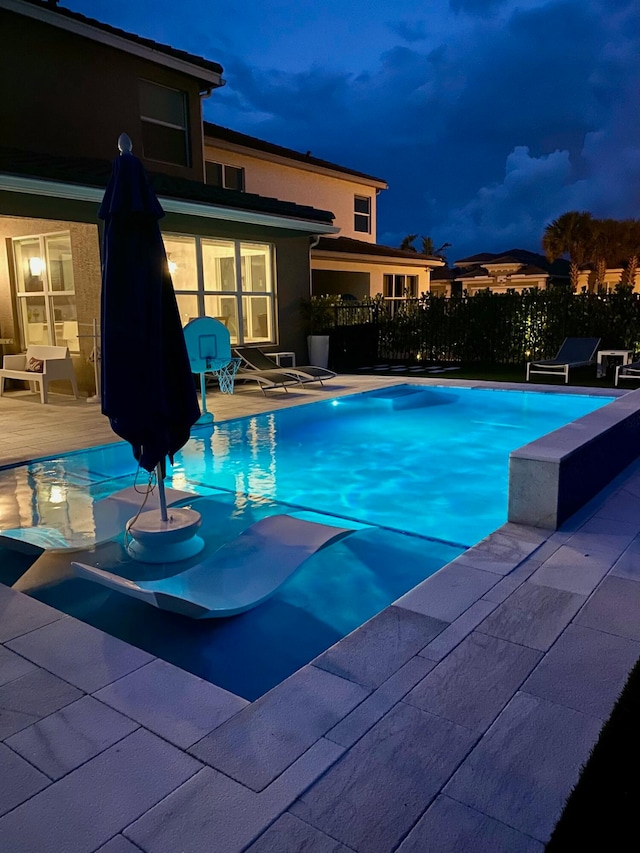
432,462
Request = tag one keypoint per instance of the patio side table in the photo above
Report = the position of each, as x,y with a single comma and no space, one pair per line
290,356
604,354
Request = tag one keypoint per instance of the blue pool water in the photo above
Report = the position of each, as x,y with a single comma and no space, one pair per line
431,461
420,472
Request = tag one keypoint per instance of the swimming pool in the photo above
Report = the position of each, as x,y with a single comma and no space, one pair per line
424,460
431,462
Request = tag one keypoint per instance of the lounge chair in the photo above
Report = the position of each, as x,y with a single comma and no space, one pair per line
628,371
574,352
268,380
209,347
238,576
258,360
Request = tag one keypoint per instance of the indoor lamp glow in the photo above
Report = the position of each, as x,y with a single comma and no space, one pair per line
36,266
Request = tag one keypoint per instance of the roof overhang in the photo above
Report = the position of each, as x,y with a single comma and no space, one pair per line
77,192
505,267
291,162
209,78
385,260
490,280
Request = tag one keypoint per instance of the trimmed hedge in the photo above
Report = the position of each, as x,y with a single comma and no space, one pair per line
489,328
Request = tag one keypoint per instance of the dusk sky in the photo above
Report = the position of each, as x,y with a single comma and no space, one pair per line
487,118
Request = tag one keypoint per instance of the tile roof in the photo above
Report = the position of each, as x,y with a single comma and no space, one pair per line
216,131
559,268
207,64
349,246
444,273
480,258
479,271
532,269
85,171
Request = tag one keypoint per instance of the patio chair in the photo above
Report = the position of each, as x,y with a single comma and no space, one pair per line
574,352
39,366
268,380
238,576
628,371
258,360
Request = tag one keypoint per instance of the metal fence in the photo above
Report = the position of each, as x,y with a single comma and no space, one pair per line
509,328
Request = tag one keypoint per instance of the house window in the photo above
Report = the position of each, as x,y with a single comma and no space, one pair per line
222,175
362,214
400,286
163,112
231,280
45,291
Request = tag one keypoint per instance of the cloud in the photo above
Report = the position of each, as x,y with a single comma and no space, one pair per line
488,118
569,108
505,123
477,8
515,211
536,190
283,108
410,31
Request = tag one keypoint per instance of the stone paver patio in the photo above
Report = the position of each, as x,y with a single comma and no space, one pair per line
457,719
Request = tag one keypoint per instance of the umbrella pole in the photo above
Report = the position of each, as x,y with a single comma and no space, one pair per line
160,469
156,538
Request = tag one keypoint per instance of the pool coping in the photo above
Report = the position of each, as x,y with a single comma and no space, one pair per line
552,477
242,769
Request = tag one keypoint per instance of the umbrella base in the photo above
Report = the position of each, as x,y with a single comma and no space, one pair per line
155,540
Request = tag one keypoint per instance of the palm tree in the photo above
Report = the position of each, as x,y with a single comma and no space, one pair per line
569,234
428,247
606,247
407,243
631,240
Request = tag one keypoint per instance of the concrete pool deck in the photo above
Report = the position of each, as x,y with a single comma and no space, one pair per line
457,719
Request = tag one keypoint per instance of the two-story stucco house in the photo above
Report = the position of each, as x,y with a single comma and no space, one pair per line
233,253
514,270
351,262
613,277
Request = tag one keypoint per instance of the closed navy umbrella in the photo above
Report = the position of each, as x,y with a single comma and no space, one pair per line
148,392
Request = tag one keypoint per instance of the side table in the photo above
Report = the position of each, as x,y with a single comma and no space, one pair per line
278,356
604,354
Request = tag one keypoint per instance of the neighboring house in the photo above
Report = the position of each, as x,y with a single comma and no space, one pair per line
352,263
515,270
70,86
341,265
587,279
